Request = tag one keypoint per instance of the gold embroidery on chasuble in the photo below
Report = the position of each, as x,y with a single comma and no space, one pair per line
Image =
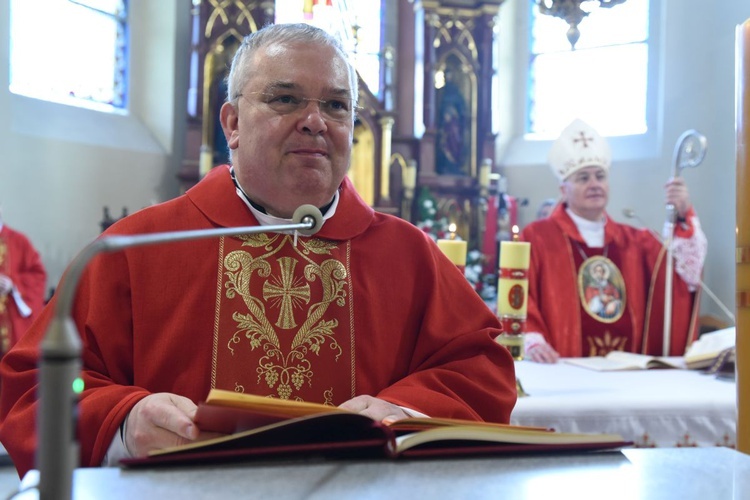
284,318
601,346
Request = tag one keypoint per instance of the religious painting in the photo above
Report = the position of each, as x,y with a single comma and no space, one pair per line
454,117
601,288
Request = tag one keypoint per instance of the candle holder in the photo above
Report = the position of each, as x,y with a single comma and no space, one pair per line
512,341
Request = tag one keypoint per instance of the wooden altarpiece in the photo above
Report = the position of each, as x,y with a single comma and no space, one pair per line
445,76
434,110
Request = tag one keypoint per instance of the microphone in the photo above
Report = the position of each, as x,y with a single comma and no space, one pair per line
631,214
60,358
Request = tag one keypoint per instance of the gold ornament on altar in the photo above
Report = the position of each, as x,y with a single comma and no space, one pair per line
573,12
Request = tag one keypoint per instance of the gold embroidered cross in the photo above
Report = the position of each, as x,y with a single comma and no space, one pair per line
287,291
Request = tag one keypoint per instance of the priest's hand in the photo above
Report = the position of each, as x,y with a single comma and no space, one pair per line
677,194
542,353
6,285
375,408
536,348
159,421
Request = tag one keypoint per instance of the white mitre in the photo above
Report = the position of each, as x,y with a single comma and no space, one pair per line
578,146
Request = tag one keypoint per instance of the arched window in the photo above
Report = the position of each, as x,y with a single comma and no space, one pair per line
70,51
604,81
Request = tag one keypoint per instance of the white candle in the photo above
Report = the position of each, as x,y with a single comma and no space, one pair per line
513,283
410,177
484,173
454,249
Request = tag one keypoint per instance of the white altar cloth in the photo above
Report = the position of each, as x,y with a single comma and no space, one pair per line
652,408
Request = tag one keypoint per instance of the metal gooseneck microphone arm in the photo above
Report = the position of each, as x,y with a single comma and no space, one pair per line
689,152
60,359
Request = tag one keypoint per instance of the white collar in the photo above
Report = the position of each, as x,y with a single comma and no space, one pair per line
271,220
591,231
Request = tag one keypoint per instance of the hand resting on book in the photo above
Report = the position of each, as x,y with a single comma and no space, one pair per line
376,409
165,420
160,421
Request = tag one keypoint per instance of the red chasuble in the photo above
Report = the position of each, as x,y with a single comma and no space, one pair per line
559,305
20,261
369,305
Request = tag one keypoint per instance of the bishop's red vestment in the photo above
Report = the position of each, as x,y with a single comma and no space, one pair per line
556,291
369,305
20,261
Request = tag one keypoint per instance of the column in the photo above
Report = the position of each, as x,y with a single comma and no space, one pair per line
742,128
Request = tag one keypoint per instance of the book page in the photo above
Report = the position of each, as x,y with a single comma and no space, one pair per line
709,346
271,406
608,363
508,435
620,360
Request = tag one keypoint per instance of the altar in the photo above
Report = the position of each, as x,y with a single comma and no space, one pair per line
661,408
655,474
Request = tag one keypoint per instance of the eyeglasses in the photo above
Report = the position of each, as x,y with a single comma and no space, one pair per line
334,108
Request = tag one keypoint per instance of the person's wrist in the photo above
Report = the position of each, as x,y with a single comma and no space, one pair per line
532,340
532,345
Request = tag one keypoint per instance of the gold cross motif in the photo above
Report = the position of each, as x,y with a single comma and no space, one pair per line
286,291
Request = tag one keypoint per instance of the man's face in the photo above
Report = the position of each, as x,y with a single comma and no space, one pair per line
599,272
284,158
586,192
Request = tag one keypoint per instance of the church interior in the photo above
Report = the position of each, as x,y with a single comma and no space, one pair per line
78,162
444,136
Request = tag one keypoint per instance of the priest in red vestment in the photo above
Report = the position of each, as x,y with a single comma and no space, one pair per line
367,314
22,284
596,285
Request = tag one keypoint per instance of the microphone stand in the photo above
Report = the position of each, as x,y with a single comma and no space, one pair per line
60,360
689,152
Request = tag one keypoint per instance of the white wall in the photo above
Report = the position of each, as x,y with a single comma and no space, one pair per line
697,92
59,166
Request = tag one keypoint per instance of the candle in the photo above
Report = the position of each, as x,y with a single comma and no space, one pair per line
484,173
205,160
513,279
410,177
513,292
742,128
454,249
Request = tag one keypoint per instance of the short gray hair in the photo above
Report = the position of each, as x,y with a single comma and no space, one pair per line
240,71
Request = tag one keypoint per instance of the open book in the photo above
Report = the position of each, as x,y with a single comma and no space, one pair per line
712,348
620,360
260,428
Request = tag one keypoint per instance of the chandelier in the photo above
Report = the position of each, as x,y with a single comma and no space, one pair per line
573,12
